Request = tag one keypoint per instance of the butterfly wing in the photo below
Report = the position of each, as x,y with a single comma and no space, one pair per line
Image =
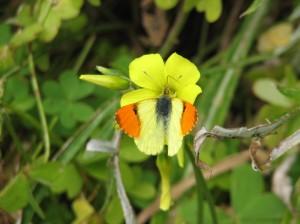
189,118
128,120
174,133
152,135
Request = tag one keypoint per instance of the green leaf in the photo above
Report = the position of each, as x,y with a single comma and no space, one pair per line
26,35
246,184
95,2
65,116
23,105
113,213
16,194
292,92
62,10
67,9
6,58
17,94
166,4
143,187
143,191
54,106
72,112
188,209
98,170
189,5
5,34
129,152
252,8
52,89
59,177
127,175
81,111
43,62
87,157
266,90
24,15
77,143
57,212
72,87
50,27
263,209
69,84
213,10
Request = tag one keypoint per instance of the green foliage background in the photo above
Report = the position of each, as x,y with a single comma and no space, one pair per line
249,74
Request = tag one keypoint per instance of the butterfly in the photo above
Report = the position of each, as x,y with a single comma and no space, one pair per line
161,112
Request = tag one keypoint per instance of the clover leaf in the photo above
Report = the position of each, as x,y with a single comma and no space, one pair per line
62,99
17,94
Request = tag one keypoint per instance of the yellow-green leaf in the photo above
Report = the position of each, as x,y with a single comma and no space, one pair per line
82,209
26,35
16,194
166,4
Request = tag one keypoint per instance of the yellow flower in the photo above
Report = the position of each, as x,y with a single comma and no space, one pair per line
161,112
176,78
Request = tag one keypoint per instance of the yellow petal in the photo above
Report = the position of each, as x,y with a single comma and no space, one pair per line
148,72
180,71
164,165
108,81
189,93
137,96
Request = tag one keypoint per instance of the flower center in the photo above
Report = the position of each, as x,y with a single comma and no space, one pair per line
169,92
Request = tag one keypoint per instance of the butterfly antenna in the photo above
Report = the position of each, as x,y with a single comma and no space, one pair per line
175,79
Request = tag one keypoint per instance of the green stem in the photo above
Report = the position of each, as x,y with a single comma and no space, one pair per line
84,53
40,107
40,145
202,189
174,32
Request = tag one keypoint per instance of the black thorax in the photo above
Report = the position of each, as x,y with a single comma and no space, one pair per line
163,108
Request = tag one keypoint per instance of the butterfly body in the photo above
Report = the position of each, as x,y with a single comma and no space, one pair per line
163,109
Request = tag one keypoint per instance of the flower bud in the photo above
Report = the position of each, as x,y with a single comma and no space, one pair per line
108,81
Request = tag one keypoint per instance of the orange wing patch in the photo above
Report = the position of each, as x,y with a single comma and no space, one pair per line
189,118
128,120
